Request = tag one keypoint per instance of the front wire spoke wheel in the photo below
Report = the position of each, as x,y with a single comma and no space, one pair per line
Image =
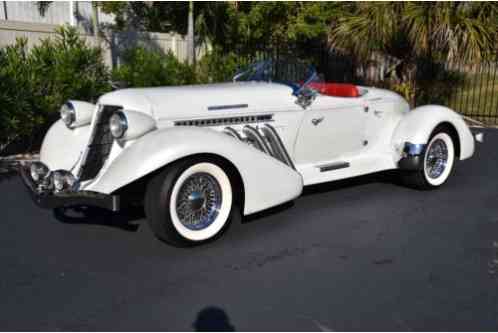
191,201
198,201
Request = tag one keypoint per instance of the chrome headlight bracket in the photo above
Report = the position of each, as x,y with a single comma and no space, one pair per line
68,114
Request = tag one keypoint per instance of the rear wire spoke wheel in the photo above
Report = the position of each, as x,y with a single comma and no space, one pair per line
190,202
438,162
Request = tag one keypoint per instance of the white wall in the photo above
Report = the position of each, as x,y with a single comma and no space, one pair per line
58,12
113,43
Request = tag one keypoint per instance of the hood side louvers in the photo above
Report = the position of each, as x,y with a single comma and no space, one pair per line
264,138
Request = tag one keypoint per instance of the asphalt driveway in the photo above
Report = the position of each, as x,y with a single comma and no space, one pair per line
364,254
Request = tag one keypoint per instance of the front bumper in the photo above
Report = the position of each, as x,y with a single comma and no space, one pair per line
66,199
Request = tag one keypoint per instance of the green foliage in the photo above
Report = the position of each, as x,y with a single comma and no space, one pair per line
159,16
419,35
438,85
148,68
218,66
231,25
35,83
17,115
443,30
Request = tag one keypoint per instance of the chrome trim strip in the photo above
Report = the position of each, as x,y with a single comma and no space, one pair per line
226,107
277,145
333,166
253,135
225,120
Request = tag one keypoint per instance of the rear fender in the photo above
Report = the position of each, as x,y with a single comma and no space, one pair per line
417,125
267,181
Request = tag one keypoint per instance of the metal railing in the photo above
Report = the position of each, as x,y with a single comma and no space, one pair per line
468,88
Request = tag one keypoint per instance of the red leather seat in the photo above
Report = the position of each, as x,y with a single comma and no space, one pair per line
336,89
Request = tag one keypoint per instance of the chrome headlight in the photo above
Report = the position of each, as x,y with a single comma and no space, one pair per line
64,181
118,124
38,171
68,114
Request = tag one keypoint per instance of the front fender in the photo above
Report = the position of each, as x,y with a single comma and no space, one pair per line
417,125
62,147
267,181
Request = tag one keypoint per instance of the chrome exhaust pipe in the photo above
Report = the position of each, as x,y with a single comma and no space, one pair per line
277,145
233,133
256,139
269,142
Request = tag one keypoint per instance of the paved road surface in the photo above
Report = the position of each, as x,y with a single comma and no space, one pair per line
358,255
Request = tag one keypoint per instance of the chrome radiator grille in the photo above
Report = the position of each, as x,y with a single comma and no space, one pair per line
100,144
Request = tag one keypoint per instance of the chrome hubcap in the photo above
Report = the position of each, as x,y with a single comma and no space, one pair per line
437,158
198,201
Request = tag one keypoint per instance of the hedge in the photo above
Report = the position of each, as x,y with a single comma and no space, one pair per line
35,82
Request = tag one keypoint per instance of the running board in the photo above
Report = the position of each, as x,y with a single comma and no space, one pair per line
333,166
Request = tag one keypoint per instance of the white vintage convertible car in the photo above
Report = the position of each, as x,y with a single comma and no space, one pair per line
197,156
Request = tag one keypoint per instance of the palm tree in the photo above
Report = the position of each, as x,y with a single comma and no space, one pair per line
411,31
190,34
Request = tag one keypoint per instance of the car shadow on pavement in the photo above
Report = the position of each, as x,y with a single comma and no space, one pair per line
125,218
267,212
383,177
212,319
8,170
97,216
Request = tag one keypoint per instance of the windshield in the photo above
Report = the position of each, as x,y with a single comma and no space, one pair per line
294,74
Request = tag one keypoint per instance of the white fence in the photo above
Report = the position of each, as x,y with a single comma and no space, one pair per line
77,13
113,43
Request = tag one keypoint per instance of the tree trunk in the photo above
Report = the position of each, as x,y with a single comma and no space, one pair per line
95,19
5,10
190,34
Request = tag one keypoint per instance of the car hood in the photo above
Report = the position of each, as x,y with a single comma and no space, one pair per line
182,102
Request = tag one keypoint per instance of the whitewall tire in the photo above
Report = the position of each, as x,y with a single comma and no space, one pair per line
216,201
190,202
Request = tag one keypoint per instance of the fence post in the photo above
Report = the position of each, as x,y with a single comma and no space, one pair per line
174,47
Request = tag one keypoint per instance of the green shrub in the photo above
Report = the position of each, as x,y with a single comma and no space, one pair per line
218,67
18,112
35,83
147,68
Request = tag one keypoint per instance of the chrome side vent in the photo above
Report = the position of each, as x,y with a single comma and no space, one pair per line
256,139
269,143
233,133
226,120
277,145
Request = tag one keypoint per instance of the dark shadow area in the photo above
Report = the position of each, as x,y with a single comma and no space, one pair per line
267,212
8,170
385,177
120,41
212,319
98,216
